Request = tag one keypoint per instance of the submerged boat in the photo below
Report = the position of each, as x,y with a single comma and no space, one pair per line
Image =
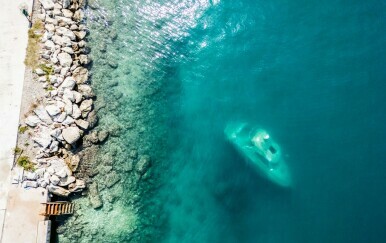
256,145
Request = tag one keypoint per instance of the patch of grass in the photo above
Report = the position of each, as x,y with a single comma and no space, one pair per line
24,162
47,69
17,150
33,48
23,129
26,144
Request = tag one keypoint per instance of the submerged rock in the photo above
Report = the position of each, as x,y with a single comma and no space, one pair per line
143,164
112,179
94,197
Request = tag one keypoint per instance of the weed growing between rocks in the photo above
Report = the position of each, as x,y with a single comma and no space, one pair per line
25,162
34,35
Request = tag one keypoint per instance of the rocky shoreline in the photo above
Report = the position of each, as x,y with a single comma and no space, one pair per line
59,124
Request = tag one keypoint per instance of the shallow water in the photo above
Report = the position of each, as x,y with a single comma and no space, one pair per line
171,74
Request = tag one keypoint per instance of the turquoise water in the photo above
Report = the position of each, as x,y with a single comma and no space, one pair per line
169,75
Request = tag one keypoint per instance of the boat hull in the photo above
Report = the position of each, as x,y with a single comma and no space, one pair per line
238,134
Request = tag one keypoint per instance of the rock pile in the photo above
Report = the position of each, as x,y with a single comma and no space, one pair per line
66,113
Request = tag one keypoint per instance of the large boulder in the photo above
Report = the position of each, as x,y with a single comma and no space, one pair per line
52,110
79,185
65,59
66,32
43,115
71,134
86,91
67,181
86,107
32,120
76,113
68,83
47,4
58,191
80,74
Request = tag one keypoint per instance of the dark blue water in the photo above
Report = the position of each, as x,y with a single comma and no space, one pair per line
170,74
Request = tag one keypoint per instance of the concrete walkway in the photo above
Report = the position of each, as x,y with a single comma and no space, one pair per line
14,217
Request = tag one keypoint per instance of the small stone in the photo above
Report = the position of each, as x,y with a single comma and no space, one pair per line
54,147
86,107
67,13
65,59
61,173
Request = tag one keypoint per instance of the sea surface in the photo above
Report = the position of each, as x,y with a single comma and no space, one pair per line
170,74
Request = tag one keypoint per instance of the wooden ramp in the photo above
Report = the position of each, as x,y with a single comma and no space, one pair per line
58,208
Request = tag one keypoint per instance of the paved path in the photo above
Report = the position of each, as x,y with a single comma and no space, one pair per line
13,43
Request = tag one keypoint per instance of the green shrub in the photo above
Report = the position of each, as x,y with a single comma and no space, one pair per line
17,150
23,129
24,162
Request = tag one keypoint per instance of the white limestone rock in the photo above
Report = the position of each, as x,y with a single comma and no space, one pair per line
68,83
30,184
76,112
59,191
54,147
39,72
71,134
69,95
68,121
43,115
67,181
54,179
80,75
47,4
83,59
77,96
80,34
66,3
86,91
65,59
50,28
67,13
66,32
68,50
52,110
32,120
82,124
86,107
